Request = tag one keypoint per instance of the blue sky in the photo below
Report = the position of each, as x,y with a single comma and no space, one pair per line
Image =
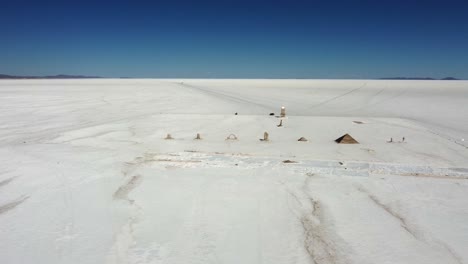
235,39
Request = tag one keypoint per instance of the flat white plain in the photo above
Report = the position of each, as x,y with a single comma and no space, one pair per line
87,177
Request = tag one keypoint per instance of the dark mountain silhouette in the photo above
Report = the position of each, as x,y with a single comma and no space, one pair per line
418,78
60,76
407,78
65,76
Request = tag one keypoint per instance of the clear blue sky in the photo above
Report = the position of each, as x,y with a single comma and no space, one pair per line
235,39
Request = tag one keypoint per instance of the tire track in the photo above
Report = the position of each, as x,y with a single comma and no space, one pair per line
123,191
338,96
227,97
7,181
124,238
394,214
11,205
319,244
416,234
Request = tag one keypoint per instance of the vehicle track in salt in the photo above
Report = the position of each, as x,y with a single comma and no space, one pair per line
123,191
6,181
11,205
318,242
338,96
412,230
227,97
124,238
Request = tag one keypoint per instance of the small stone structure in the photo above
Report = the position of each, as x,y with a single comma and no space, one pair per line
283,112
265,137
231,137
346,139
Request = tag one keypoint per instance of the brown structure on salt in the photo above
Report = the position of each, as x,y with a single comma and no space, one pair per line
198,136
346,139
169,136
265,137
283,112
303,139
231,137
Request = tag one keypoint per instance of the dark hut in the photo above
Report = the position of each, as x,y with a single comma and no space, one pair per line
346,139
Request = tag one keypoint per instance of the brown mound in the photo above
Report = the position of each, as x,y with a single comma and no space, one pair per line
346,139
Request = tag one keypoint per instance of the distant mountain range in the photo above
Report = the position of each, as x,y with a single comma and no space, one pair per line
418,78
60,76
65,76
